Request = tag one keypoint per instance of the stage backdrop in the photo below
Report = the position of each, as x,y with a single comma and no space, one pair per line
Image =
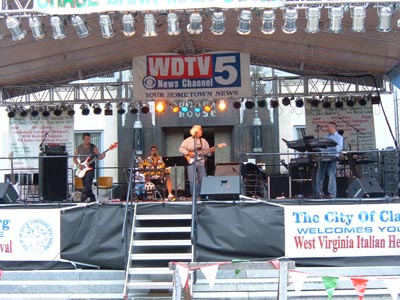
214,75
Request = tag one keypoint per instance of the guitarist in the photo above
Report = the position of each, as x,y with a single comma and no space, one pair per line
83,151
203,149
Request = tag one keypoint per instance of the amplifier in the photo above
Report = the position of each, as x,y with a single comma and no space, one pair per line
52,147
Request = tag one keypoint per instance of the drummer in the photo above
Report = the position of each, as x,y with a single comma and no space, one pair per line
156,172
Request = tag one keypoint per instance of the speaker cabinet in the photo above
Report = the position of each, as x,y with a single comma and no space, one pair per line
8,194
53,169
227,169
302,187
365,188
220,187
279,186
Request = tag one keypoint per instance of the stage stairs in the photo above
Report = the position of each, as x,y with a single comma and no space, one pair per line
156,240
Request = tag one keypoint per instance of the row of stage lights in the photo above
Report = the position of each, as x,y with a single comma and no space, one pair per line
290,15
196,106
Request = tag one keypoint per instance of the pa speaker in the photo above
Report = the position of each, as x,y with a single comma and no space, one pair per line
8,194
220,187
365,188
279,186
227,169
53,168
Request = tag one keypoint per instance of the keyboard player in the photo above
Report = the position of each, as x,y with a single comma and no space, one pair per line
327,167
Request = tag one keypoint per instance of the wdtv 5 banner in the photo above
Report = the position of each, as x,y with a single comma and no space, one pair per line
217,75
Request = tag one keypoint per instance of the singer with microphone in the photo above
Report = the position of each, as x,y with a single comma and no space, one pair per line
196,149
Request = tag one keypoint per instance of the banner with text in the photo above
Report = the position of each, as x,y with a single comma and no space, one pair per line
342,230
29,235
216,75
66,7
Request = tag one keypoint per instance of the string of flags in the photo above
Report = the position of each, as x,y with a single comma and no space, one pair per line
297,278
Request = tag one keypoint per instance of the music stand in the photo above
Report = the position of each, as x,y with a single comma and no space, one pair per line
175,161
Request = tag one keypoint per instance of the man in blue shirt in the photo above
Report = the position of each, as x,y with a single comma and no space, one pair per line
329,167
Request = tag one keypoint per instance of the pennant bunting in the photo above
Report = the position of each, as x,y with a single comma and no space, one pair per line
298,279
275,263
1,274
393,285
330,284
210,273
183,273
237,272
360,284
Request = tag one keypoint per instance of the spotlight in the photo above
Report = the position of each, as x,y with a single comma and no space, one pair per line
358,13
184,107
133,109
197,107
108,109
45,111
149,25
208,106
338,103
326,103
362,101
290,17
145,108
58,26
286,101
314,102
22,111
351,101
249,104
10,111
268,19
160,106
244,26
262,103
274,103
174,107
57,111
299,102
222,105
34,111
85,109
336,16
218,26
79,24
128,25
36,27
70,110
194,26
105,23
121,108
97,109
385,13
237,104
13,24
313,14
173,24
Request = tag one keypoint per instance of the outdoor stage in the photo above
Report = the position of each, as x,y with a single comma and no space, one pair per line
314,232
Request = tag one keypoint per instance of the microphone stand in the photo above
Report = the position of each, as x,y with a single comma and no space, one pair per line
193,236
41,143
358,131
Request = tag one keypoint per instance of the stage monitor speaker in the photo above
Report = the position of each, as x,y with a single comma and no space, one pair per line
279,186
220,187
53,169
227,169
8,194
365,188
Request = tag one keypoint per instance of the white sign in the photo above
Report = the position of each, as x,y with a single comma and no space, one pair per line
29,234
342,230
217,75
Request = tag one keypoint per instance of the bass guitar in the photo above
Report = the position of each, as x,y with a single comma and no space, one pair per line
190,158
85,165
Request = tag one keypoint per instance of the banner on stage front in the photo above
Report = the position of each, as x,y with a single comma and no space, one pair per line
215,75
29,235
342,230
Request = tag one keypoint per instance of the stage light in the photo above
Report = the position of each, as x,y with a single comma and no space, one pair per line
57,111
184,107
149,25
336,16
22,111
133,108
160,106
262,103
208,106
358,13
286,101
128,25
34,112
145,108
218,23
79,24
299,102
314,102
97,109
85,109
105,23
13,24
273,103
121,108
351,101
58,26
385,13
108,111
313,14
249,104
339,103
194,26
244,26
362,101
268,19
290,17
237,104
173,24
221,105
70,110
326,103
10,111
174,107
197,107
36,27
45,111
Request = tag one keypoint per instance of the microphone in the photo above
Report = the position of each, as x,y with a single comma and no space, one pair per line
41,143
282,161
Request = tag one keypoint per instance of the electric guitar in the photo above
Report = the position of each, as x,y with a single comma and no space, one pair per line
81,172
190,159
